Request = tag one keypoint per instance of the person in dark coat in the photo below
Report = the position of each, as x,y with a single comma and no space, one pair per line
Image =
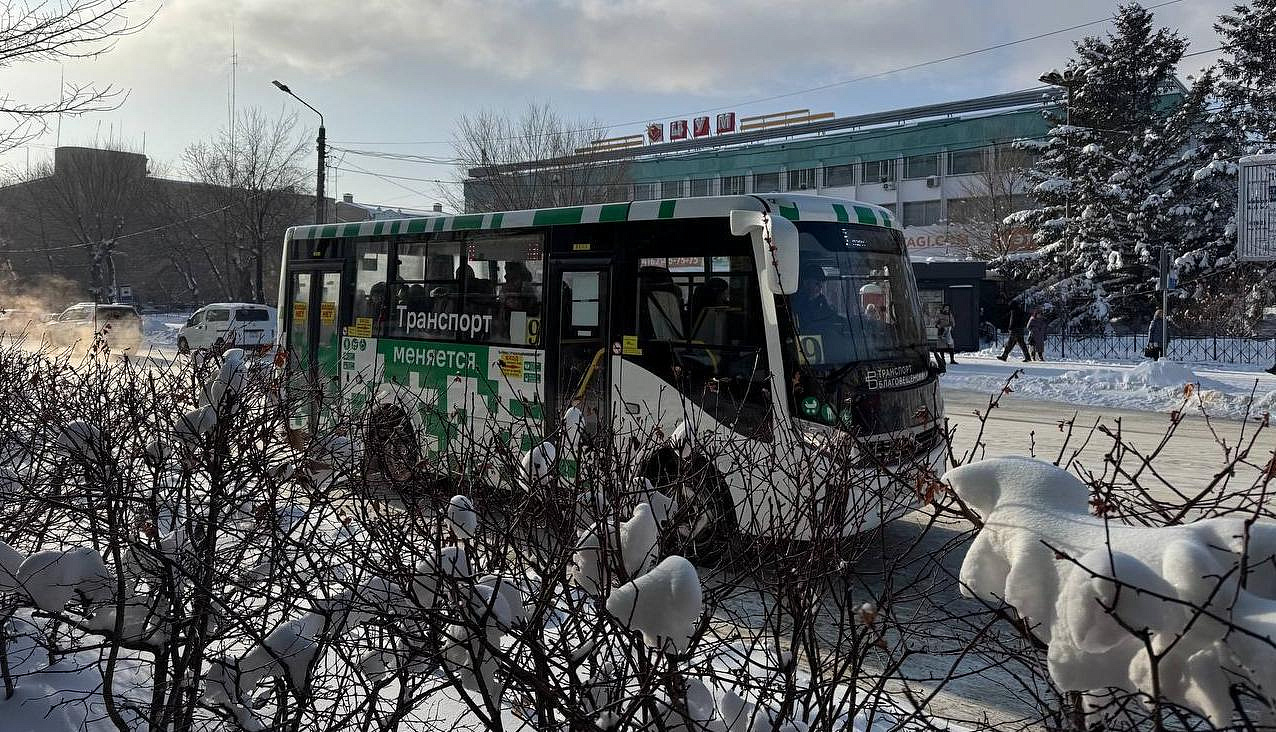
1159,329
1015,324
1037,335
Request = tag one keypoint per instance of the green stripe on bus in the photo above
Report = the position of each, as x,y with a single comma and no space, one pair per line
552,216
789,212
864,215
394,227
666,209
614,212
842,216
378,228
472,221
327,232
496,220
350,230
890,220
416,226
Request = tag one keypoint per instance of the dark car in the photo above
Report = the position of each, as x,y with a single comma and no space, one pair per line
119,326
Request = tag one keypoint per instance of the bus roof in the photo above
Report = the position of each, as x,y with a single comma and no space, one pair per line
795,207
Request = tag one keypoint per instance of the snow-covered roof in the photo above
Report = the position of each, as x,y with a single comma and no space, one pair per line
795,207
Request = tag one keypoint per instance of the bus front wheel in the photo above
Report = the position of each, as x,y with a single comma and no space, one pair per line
702,524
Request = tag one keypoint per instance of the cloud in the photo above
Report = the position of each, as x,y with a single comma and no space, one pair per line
666,46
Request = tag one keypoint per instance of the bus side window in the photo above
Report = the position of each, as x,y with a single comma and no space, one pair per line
372,265
507,286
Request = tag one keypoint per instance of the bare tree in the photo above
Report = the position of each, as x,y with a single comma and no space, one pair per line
989,196
82,204
534,161
44,31
251,178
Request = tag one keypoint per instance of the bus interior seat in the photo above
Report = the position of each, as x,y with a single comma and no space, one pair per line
661,314
712,326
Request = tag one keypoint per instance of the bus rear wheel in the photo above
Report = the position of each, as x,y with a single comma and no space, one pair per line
702,526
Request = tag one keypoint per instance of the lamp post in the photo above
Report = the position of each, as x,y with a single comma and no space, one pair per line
1068,80
323,152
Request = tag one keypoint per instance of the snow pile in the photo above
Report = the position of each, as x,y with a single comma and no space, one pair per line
1159,386
160,329
461,517
1157,374
52,578
606,547
664,604
1205,593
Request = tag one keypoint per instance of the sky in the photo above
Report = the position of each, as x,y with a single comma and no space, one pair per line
395,75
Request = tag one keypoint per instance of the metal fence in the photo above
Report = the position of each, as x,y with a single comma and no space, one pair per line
1188,349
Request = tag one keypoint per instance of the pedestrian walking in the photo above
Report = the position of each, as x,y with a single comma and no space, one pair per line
1015,323
944,334
1159,336
1037,326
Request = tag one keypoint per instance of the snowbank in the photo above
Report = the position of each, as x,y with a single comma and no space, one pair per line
1157,386
1083,584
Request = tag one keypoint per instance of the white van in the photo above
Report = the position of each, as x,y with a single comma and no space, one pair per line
226,324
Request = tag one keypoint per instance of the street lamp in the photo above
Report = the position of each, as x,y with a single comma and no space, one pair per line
1068,80
323,152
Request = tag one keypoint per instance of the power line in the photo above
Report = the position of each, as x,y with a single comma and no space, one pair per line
822,87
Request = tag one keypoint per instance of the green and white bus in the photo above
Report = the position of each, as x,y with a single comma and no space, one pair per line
773,322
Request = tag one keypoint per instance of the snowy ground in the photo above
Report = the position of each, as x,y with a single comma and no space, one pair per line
1157,386
160,329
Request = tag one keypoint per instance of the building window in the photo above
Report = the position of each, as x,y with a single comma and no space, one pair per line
879,171
963,210
732,185
965,161
921,166
921,213
671,189
766,182
700,186
644,191
836,176
802,180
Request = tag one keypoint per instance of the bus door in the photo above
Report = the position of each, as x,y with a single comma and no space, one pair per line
314,338
580,362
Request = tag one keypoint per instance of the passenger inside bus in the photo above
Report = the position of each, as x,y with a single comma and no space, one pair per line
811,309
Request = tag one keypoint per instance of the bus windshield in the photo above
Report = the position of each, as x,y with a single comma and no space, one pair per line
856,300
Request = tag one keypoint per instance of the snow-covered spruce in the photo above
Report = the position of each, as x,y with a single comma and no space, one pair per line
1078,581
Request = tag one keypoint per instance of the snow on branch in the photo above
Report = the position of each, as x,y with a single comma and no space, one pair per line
1175,612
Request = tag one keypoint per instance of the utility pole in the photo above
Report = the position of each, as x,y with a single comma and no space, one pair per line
322,145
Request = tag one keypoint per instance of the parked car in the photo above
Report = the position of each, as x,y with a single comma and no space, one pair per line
223,325
119,326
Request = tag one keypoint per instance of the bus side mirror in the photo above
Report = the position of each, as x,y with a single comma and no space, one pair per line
779,255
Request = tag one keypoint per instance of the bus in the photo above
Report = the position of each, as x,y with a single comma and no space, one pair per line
771,324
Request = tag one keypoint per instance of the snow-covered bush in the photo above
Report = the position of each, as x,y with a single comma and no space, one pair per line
1176,612
192,561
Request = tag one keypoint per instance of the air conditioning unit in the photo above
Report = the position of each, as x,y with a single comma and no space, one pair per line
932,181
888,185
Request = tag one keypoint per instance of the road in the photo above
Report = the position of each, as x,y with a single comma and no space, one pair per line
1019,426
